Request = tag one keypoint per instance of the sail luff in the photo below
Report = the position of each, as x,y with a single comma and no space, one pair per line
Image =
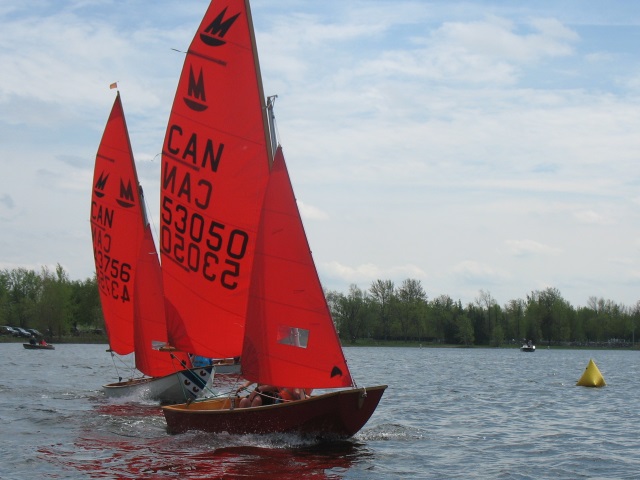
141,206
265,119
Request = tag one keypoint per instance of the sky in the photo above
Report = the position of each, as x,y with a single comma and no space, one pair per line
485,146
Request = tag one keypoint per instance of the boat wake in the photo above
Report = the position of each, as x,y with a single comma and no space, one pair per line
391,431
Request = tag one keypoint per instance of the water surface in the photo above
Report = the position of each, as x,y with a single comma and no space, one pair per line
448,413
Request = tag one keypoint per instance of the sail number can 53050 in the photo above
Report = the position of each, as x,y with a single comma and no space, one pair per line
202,245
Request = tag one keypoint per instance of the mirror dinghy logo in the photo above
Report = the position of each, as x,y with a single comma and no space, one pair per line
126,199
214,33
196,98
101,183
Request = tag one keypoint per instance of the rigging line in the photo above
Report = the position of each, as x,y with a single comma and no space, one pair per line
113,360
125,365
277,132
204,388
154,228
208,388
273,124
185,393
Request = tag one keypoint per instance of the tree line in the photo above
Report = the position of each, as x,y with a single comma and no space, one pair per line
405,313
57,306
49,301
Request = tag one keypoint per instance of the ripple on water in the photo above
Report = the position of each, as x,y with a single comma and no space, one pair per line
448,413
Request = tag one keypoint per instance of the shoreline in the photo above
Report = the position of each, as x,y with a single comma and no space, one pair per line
102,339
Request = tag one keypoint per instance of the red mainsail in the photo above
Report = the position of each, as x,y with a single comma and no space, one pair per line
290,338
215,165
116,228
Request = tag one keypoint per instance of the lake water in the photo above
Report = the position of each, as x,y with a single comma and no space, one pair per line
448,413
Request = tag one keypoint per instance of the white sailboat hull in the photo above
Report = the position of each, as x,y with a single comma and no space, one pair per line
227,367
174,388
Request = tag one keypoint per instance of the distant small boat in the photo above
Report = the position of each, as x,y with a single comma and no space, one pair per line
528,348
38,346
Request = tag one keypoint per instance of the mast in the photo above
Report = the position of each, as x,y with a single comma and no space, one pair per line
267,137
271,119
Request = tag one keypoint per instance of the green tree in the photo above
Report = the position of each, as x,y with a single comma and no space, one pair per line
442,309
53,307
514,315
85,304
488,327
24,289
350,312
465,330
411,299
549,315
4,296
382,293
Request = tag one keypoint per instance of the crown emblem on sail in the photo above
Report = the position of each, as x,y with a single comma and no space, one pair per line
100,184
217,29
126,199
196,97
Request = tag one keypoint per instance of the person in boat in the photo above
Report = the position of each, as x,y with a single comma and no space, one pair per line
198,361
32,340
270,395
43,343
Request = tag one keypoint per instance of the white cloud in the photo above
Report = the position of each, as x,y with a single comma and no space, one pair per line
521,248
310,212
473,271
341,275
589,216
420,135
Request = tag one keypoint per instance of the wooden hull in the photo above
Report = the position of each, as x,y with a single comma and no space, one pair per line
338,414
29,346
174,388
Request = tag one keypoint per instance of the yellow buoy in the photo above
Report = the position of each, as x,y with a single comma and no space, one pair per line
591,376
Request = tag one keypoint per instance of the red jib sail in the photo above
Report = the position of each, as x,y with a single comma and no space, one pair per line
116,228
149,315
215,164
290,338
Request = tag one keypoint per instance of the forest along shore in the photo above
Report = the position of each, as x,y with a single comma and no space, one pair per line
102,339
384,314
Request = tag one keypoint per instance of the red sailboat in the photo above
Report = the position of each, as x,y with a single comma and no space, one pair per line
128,274
270,308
